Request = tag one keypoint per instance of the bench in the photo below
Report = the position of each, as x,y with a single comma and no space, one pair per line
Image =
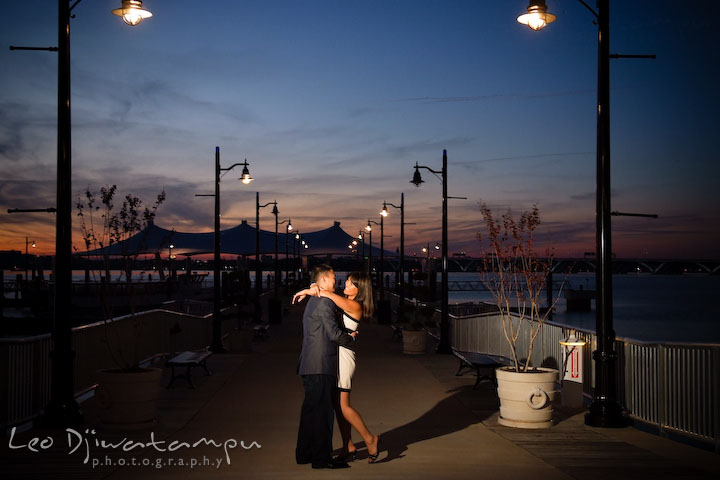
397,331
477,361
261,331
189,360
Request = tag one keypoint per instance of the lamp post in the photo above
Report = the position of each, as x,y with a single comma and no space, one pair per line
296,241
258,266
245,178
444,346
604,411
401,276
368,229
26,255
288,229
62,409
381,281
276,270
361,237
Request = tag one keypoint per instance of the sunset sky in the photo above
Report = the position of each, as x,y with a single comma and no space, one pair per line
333,101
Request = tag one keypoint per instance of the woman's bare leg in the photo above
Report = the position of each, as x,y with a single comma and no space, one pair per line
344,425
353,417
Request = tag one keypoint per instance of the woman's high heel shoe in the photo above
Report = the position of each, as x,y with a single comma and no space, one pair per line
372,457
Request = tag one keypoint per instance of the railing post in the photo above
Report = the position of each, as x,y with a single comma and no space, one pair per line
4,390
715,397
661,389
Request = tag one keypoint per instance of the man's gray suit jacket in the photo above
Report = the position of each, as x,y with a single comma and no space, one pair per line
321,337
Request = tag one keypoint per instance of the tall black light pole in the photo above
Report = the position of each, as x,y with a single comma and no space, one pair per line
27,242
288,229
368,228
62,409
296,240
605,411
258,266
444,345
361,237
216,343
276,272
401,276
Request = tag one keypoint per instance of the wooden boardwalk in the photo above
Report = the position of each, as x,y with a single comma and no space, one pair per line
432,425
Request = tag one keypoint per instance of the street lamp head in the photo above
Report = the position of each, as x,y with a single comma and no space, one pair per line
384,211
424,249
289,227
245,177
417,179
297,236
437,246
537,16
368,228
275,210
132,12
33,244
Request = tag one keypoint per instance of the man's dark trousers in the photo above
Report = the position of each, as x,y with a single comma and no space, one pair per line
314,443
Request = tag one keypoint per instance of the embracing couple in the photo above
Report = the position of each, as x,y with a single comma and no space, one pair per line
327,365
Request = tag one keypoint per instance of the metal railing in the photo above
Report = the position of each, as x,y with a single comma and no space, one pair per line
25,362
673,386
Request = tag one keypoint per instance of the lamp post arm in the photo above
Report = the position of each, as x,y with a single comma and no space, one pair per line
595,14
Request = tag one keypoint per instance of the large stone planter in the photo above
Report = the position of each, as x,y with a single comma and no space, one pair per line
414,342
526,397
128,399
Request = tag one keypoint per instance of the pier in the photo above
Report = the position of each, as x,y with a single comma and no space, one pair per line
432,424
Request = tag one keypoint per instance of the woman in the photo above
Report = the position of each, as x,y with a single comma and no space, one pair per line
357,304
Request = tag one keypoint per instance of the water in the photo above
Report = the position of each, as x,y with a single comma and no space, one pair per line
680,308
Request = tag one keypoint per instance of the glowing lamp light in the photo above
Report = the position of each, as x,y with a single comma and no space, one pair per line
384,211
572,341
245,176
537,16
132,12
368,228
289,227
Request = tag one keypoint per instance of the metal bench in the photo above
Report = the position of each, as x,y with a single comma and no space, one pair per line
477,361
189,360
261,331
397,331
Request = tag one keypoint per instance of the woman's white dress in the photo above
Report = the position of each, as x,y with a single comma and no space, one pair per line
346,357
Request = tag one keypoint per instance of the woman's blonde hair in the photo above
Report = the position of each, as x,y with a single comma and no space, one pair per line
365,295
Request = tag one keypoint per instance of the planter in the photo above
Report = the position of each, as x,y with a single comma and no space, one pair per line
239,341
526,397
128,399
414,341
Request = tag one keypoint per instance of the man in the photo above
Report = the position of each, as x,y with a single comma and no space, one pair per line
318,368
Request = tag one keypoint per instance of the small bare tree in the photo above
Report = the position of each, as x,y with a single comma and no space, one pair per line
116,227
516,276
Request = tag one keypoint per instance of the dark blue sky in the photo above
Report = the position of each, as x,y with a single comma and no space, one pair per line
333,102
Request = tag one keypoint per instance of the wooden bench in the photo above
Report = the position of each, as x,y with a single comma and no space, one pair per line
189,360
261,331
397,331
477,361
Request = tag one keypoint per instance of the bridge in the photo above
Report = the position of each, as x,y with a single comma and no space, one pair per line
657,266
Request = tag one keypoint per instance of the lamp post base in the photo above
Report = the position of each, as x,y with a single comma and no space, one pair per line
605,414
